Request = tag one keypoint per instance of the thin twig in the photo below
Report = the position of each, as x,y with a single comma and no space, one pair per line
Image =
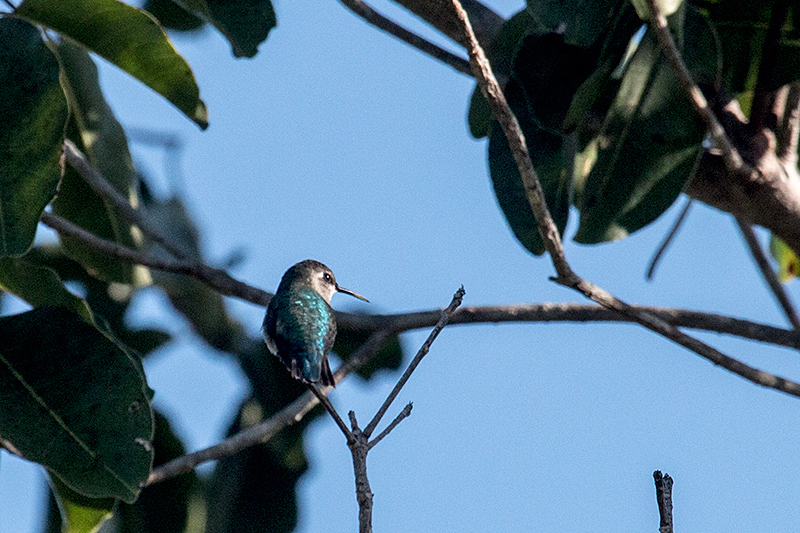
426,346
389,26
326,403
399,418
291,414
547,229
214,277
664,499
768,273
733,160
491,90
668,240
9,4
769,60
77,160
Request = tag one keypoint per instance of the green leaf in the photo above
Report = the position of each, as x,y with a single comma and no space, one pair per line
94,128
108,302
39,286
33,111
550,72
549,156
80,514
651,140
501,55
580,22
172,16
741,26
788,262
255,490
245,23
75,402
130,39
202,306
388,357
594,96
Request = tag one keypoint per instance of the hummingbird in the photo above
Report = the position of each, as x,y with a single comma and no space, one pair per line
299,326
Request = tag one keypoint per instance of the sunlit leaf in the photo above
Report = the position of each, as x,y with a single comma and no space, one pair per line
80,514
94,128
127,37
33,112
39,286
651,140
788,262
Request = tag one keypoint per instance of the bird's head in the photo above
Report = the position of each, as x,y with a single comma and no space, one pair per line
319,277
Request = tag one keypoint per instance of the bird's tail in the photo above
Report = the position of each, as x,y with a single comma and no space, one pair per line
325,375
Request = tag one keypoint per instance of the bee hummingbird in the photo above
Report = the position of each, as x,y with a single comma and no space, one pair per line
299,326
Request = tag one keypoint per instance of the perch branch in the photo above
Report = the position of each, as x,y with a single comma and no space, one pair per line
426,346
768,273
664,499
392,28
360,444
326,403
291,414
223,283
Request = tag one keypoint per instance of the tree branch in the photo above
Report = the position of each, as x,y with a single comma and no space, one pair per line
664,499
397,323
426,346
326,403
565,276
440,15
789,127
218,279
77,160
651,270
405,413
360,444
291,414
768,273
730,154
392,28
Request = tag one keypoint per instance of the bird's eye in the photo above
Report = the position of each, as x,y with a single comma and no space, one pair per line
328,277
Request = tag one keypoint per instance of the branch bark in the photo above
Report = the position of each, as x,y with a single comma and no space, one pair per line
565,276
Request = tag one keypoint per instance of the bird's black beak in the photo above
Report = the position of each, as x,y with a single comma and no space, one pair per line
351,293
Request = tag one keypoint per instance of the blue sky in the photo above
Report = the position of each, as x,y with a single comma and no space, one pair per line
341,144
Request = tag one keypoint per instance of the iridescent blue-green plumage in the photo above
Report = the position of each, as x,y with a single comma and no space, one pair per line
300,326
